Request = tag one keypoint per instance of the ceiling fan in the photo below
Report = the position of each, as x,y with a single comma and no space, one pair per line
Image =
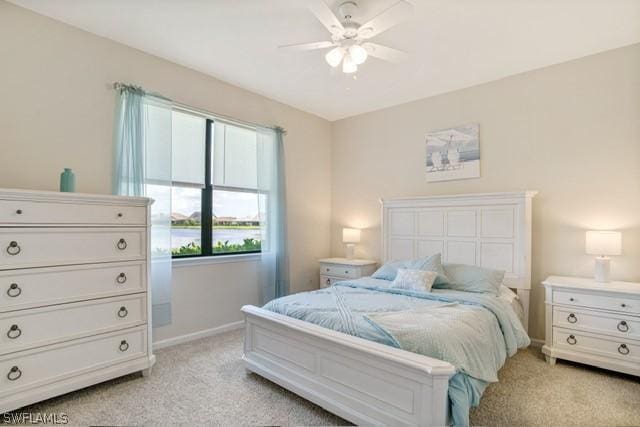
350,39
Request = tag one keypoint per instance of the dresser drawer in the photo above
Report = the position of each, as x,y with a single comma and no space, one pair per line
34,368
340,271
16,212
597,322
20,330
20,289
578,341
41,247
616,303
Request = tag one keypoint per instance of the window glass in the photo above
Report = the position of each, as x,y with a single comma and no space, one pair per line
236,222
186,217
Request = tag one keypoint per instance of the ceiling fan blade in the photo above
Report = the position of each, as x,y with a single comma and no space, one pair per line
385,53
326,17
385,20
306,46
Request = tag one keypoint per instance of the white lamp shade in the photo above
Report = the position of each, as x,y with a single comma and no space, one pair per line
350,235
604,242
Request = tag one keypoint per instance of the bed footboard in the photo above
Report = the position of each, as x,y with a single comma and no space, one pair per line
361,381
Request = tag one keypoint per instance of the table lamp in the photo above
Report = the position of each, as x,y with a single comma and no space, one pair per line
603,243
350,236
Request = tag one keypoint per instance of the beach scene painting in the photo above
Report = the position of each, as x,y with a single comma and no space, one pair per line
453,153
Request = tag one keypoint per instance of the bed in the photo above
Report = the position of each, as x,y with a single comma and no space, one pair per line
368,381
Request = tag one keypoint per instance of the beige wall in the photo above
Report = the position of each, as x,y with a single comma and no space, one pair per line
571,131
56,110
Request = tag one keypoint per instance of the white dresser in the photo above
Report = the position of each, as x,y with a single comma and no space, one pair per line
74,303
593,323
336,269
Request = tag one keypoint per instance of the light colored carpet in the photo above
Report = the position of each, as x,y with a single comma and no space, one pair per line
204,382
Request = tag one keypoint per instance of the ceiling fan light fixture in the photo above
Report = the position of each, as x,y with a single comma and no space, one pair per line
334,56
358,54
348,65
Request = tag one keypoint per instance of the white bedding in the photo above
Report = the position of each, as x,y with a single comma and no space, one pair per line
511,297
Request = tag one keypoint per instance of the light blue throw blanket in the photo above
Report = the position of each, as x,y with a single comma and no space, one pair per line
474,332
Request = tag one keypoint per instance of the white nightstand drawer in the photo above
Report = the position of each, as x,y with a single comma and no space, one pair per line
340,271
596,344
615,303
326,281
334,270
597,322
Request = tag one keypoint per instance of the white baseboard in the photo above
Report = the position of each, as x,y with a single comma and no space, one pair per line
535,342
181,339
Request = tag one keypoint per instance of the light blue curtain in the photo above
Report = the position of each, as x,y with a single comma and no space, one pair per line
128,177
274,266
142,166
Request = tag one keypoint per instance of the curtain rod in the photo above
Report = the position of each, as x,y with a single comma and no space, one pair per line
222,117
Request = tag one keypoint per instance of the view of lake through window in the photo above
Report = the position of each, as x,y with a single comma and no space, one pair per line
214,187
235,218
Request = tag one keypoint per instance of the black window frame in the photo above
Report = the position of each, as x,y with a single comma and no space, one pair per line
206,198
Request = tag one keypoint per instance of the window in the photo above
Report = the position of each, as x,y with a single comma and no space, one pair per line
215,202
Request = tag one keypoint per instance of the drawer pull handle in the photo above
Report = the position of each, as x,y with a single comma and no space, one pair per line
328,282
623,305
13,248
623,349
571,340
346,272
14,332
19,212
124,345
327,269
571,299
14,290
122,244
121,278
120,215
14,374
572,318
623,326
123,312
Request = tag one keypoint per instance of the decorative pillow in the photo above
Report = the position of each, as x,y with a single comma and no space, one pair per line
389,270
470,278
414,280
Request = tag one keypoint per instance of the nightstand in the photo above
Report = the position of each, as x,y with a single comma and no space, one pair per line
593,323
336,269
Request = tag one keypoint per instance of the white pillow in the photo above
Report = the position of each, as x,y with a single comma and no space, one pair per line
414,280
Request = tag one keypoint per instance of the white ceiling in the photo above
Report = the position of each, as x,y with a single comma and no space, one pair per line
452,43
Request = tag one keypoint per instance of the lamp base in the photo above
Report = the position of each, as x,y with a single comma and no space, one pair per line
349,250
602,269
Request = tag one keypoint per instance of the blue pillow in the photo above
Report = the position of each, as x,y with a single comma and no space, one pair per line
389,270
470,278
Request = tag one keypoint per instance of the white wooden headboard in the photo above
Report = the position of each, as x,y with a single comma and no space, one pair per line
491,230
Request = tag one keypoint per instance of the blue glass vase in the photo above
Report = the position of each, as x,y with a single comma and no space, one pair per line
67,181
